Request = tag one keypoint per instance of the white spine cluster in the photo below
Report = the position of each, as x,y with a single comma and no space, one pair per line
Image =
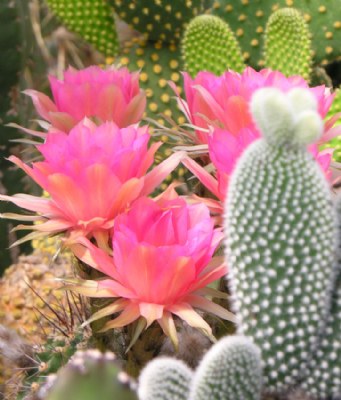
231,370
165,378
280,238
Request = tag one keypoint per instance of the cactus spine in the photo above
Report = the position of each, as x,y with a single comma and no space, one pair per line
280,229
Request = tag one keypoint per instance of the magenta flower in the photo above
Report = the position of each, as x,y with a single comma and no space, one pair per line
220,105
91,174
106,95
161,264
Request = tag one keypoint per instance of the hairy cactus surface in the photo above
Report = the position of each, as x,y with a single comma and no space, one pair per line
231,370
165,378
280,228
288,43
93,20
323,378
210,45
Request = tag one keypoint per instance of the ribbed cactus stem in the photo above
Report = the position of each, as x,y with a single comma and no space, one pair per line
231,370
210,45
280,229
288,43
165,378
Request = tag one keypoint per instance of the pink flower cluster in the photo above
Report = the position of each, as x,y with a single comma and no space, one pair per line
156,254
220,105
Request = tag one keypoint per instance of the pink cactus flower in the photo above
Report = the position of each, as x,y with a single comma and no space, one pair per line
91,174
161,265
105,95
220,105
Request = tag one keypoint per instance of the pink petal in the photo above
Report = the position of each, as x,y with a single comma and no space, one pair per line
205,178
135,109
186,313
130,314
160,172
151,312
43,104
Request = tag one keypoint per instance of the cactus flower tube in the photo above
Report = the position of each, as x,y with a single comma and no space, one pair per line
161,265
91,174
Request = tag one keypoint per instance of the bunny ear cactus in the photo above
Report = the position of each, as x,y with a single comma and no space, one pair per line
165,378
280,229
286,31
248,19
231,370
210,45
93,20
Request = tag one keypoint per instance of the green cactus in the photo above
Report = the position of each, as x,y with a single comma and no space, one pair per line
280,235
158,19
209,44
48,359
286,31
248,20
93,20
165,378
324,371
90,375
231,370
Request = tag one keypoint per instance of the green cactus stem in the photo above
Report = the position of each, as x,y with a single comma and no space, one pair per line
210,45
280,228
165,378
323,377
231,370
93,20
91,375
158,19
288,43
248,20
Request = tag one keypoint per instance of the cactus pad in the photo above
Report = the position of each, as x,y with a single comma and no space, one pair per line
210,45
93,20
288,43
